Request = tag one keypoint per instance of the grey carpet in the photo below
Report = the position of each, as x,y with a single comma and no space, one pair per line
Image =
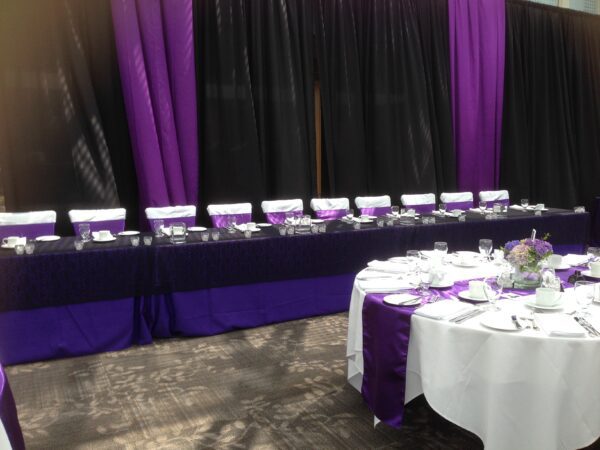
281,386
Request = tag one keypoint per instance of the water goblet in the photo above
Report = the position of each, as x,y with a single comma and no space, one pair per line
442,207
84,231
492,290
157,227
485,247
584,294
441,248
349,214
524,203
395,210
482,207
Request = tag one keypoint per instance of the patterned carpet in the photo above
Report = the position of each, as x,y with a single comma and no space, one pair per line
280,386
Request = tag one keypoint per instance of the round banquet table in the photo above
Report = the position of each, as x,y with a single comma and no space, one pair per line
515,390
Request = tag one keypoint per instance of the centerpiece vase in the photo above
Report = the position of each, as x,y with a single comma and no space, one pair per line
528,277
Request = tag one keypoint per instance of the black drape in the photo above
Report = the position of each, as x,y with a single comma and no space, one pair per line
551,121
386,104
64,142
256,108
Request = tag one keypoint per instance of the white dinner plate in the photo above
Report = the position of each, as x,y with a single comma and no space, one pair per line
48,238
468,253
498,320
465,264
109,239
197,229
442,285
362,220
264,225
129,233
532,304
466,295
317,221
588,273
402,299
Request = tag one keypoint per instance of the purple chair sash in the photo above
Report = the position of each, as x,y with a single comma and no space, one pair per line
29,230
279,217
220,221
8,414
490,203
114,226
167,221
330,214
459,205
376,211
422,209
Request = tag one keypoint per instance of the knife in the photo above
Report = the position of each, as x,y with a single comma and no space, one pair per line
516,322
585,324
466,316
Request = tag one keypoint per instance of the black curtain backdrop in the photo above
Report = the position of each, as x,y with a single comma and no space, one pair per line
386,103
255,100
551,124
64,141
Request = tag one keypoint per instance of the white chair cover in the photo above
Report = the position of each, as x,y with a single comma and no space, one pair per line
417,199
168,212
227,209
373,202
456,197
4,442
25,218
275,206
329,204
490,196
96,215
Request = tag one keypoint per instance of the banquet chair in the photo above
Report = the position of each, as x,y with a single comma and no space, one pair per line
27,224
457,200
421,203
276,210
222,213
374,206
99,219
172,214
330,208
495,197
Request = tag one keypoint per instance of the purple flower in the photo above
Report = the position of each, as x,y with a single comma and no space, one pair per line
510,245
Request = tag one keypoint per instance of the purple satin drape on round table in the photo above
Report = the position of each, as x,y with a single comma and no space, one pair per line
155,49
8,414
477,33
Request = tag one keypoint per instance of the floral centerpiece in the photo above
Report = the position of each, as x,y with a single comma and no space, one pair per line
526,256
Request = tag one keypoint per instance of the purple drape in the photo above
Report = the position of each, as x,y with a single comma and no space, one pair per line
477,30
155,47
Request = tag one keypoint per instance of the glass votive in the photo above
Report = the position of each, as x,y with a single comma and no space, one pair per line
356,225
78,244
462,218
147,240
205,235
579,209
432,220
29,247
322,228
157,227
491,216
538,213
215,235
135,241
380,222
291,230
19,249
248,234
410,212
314,229
282,231
497,208
402,211
390,222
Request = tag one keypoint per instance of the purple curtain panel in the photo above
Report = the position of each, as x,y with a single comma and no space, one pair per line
155,49
477,31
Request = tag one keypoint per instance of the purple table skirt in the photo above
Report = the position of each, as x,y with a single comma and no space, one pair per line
73,330
8,414
386,332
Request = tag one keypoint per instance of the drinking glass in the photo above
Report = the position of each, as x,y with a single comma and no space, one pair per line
205,235
289,217
19,249
157,226
178,232
485,247
231,223
441,247
380,222
462,218
84,232
282,230
402,211
524,202
395,210
584,294
482,207
425,276
147,240
349,214
322,228
356,225
314,229
247,234
215,235
291,230
79,244
30,247
135,241
595,252
505,277
492,290
442,207
579,209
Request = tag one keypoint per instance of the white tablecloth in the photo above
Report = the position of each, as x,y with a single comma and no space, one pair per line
515,390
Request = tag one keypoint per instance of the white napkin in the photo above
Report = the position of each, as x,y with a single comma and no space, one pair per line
559,325
242,227
382,285
444,309
517,207
576,260
388,266
477,210
370,274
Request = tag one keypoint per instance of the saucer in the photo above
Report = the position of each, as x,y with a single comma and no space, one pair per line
8,246
48,238
402,299
442,285
533,304
465,264
466,295
317,221
108,239
588,273
362,220
128,233
498,321
197,229
264,225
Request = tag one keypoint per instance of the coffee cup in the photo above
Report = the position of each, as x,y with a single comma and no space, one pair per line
476,289
252,225
546,296
555,261
410,212
11,241
595,268
104,234
540,207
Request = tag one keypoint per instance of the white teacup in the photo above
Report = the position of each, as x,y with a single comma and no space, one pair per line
555,261
547,296
104,234
476,289
539,207
595,268
456,212
252,225
410,212
11,241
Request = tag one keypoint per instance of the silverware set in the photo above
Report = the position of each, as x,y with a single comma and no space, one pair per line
468,315
587,326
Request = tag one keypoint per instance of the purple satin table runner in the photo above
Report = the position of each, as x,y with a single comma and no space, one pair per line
330,214
114,226
30,230
376,211
221,221
279,217
8,414
386,333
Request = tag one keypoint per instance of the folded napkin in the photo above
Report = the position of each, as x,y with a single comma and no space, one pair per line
388,266
428,254
382,285
517,207
453,213
576,260
444,309
243,227
560,325
477,210
370,274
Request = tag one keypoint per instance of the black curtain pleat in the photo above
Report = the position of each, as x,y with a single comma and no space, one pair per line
551,120
385,77
256,108
62,115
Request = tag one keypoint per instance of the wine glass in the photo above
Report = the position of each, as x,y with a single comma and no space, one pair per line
584,294
524,203
492,290
350,214
442,207
157,226
84,231
482,206
395,210
485,247
425,276
441,248
595,252
413,257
